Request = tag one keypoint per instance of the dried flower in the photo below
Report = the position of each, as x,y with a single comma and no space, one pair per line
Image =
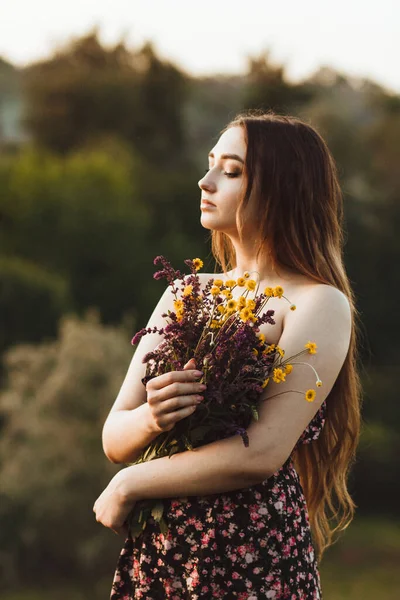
222,334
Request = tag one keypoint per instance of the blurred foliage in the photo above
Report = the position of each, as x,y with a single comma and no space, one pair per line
55,401
363,564
118,142
268,87
90,218
31,300
85,90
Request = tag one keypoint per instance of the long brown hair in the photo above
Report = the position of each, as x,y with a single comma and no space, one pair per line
293,179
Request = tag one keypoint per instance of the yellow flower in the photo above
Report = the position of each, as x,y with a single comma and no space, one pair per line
280,351
179,314
253,318
230,283
255,351
269,349
178,304
246,274
269,291
188,290
245,314
250,304
227,293
231,304
197,263
251,285
241,302
218,282
310,395
279,375
288,369
292,307
221,308
215,290
265,383
241,281
214,324
278,291
319,382
261,337
312,347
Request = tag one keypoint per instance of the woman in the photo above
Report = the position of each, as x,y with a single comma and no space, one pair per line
250,523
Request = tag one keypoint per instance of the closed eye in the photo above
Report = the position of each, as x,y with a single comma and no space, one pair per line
234,174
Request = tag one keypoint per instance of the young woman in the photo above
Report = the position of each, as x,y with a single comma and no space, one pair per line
250,523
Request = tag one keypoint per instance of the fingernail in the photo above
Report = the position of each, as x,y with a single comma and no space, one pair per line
198,373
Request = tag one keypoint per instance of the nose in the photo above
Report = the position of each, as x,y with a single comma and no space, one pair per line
206,183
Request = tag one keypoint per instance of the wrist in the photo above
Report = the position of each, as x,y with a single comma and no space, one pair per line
126,484
150,425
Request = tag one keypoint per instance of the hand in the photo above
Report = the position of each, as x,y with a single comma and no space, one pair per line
173,396
115,503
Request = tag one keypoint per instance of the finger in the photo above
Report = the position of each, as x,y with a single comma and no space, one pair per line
176,390
191,364
123,530
161,381
171,418
177,403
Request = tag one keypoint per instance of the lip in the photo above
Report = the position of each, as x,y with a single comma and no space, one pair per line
206,203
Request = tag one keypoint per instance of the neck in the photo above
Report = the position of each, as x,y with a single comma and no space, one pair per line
259,270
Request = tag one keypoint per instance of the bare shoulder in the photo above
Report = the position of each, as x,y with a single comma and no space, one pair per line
324,298
326,311
329,296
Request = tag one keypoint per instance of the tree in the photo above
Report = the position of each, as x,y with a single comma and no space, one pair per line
267,87
86,90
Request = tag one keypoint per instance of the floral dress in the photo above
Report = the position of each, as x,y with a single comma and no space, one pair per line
250,544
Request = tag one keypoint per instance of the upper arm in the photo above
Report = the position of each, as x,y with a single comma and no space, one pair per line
133,393
323,317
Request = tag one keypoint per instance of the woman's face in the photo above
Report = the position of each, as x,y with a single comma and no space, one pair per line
224,182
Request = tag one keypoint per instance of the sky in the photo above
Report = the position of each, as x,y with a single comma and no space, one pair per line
355,37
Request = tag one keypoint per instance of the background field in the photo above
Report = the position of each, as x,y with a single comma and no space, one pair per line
101,149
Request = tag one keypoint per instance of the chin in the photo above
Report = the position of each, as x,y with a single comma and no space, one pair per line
214,224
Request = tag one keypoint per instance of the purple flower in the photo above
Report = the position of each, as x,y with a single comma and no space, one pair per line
231,370
138,336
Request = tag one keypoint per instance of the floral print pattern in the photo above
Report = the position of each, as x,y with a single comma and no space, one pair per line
248,544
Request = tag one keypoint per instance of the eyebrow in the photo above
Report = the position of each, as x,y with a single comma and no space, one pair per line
223,156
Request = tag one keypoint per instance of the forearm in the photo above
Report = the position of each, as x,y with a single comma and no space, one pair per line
218,467
126,433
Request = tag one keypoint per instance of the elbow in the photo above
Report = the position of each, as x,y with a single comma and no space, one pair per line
109,454
107,449
111,457
267,462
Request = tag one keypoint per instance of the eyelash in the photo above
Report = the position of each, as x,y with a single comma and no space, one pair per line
225,173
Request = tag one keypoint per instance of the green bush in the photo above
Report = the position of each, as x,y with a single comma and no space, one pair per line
52,466
32,300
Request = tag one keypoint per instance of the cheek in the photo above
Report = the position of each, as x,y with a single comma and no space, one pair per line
232,191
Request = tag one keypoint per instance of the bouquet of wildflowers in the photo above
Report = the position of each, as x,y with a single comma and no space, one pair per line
223,335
